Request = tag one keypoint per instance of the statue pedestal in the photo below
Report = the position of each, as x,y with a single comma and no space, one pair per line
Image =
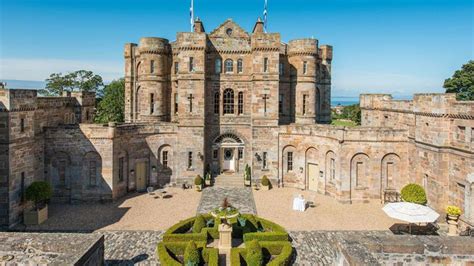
225,236
452,228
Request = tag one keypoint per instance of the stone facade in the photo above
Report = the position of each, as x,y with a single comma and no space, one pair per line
219,101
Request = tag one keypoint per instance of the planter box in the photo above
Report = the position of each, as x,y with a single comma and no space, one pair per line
198,187
35,217
208,182
247,183
266,188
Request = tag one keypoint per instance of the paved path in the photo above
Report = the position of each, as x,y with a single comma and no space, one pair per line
131,247
241,198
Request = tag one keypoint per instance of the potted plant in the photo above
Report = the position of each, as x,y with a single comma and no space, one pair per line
452,213
265,183
207,179
38,192
247,175
198,182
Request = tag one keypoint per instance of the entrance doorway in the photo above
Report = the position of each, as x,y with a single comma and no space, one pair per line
229,161
313,173
228,153
141,176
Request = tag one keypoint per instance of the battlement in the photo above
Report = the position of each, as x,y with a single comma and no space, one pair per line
303,47
326,52
154,45
17,99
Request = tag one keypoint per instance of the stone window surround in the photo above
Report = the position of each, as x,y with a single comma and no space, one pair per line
229,66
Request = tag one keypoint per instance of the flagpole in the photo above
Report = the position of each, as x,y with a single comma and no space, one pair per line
191,13
265,14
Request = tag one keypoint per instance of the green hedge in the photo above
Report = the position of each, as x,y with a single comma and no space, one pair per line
414,193
166,252
281,250
272,232
182,231
236,256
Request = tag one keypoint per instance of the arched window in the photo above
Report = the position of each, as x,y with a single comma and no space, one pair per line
229,66
228,101
240,103
218,66
216,103
240,66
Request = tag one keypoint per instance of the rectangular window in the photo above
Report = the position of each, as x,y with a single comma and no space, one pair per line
240,103
152,66
92,173
62,172
305,67
281,69
239,66
164,159
218,66
289,161
22,125
304,103
240,154
152,103
216,102
265,65
264,160
191,64
461,133
22,188
280,104
190,160
121,169
176,67
175,103
215,154
333,169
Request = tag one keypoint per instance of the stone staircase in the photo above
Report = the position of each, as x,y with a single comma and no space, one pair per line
229,180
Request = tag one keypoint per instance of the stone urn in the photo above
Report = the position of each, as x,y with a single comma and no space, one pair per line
453,221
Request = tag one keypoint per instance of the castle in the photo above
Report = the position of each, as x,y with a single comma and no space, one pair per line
220,101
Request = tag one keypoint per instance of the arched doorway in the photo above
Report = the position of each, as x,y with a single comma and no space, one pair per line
228,150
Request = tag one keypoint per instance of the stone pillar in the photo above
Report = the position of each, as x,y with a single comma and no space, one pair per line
225,236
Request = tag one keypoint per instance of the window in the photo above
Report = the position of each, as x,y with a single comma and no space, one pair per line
280,104
228,101
218,66
152,66
92,173
215,154
22,188
289,161
190,98
265,64
265,98
176,67
87,115
240,154
305,67
240,103
191,64
229,66
332,169
239,66
461,133
216,102
281,69
190,160
175,103
62,172
264,160
304,103
164,159
22,125
152,103
121,169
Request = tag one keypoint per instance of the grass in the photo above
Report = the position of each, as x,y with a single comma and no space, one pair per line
343,123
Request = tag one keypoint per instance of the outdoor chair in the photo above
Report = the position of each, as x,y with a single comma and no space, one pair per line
311,201
150,190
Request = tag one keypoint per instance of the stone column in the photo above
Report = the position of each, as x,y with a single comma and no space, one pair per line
225,236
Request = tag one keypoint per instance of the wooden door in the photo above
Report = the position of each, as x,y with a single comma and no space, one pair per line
313,173
141,176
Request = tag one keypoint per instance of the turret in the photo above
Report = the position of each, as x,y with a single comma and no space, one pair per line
324,83
129,52
303,56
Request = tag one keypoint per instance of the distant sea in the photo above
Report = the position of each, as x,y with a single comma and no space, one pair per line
344,101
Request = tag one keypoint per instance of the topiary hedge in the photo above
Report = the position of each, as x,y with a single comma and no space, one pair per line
39,192
168,251
199,224
414,193
281,251
254,256
191,254
183,231
269,231
265,181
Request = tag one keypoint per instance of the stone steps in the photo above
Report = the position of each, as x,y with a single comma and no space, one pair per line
229,180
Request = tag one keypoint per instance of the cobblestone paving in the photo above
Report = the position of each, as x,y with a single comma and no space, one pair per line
131,247
241,198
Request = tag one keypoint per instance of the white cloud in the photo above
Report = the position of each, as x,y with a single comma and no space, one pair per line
41,68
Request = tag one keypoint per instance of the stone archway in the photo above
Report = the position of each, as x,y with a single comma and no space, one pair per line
227,150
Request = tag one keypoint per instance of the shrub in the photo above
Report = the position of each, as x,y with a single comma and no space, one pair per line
191,254
453,210
198,180
38,192
414,193
199,224
265,181
254,255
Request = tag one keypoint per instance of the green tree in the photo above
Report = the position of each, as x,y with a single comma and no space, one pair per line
352,112
81,80
462,82
111,107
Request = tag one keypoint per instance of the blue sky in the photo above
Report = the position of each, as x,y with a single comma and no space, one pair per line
399,47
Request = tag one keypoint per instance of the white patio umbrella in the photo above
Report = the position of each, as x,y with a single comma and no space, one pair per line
410,212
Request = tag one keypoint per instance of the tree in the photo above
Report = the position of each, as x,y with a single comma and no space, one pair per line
352,112
81,80
38,192
111,107
462,82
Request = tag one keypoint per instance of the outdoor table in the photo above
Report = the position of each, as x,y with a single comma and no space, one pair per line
299,204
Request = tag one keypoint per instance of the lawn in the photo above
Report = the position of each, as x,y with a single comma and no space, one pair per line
344,123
